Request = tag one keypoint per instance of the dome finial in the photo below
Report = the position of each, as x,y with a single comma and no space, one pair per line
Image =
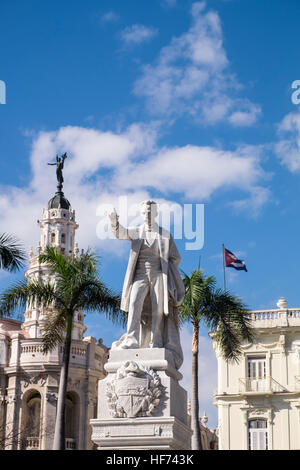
282,303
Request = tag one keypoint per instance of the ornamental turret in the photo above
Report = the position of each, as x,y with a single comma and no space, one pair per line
57,228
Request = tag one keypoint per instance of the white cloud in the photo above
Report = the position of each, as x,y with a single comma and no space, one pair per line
191,75
259,196
110,17
101,166
89,151
137,34
197,172
245,118
288,146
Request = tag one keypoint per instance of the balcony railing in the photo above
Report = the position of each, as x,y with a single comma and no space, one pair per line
70,444
271,318
32,351
32,443
260,385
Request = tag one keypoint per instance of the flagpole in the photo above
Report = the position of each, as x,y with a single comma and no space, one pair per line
223,249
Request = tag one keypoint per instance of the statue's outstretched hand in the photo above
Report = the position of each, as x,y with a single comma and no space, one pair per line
114,217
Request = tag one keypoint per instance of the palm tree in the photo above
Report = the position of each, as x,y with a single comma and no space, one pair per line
225,315
76,287
12,254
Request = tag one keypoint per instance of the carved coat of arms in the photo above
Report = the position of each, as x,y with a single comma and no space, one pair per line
135,392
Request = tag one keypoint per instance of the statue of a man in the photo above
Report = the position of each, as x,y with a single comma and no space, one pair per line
153,288
59,168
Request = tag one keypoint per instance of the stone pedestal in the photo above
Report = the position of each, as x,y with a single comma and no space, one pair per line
141,405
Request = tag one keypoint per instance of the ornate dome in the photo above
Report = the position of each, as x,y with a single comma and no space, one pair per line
59,202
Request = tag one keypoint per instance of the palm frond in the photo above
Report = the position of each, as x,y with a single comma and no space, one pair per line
54,330
23,293
12,255
228,317
224,313
228,339
93,295
197,291
53,257
88,263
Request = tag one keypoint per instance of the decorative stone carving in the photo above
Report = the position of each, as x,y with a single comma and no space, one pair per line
73,384
35,380
92,401
135,392
51,397
12,399
261,412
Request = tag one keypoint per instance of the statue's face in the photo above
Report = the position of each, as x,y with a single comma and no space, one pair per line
149,213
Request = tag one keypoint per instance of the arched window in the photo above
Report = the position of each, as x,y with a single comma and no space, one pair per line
258,434
52,237
63,238
31,420
71,420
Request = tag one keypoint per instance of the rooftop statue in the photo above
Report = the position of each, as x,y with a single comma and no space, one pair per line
59,168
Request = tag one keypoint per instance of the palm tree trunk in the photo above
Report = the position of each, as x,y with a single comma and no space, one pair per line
196,438
59,433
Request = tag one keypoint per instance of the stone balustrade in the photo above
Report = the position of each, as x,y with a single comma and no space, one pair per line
260,385
78,352
273,317
70,444
32,443
32,351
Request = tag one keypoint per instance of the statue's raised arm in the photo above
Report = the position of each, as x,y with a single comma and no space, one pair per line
120,232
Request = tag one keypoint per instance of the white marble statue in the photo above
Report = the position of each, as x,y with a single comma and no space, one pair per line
153,289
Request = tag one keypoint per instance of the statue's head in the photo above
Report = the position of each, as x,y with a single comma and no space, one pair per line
149,211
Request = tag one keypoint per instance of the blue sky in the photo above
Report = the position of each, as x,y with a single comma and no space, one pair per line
176,100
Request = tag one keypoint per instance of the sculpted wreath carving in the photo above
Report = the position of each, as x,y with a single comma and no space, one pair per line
135,392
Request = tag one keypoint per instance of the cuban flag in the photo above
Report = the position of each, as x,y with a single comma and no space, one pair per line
231,261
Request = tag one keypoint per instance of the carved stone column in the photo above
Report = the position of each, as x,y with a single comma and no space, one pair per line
12,428
49,408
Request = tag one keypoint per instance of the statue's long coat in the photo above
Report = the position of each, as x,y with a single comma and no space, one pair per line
172,283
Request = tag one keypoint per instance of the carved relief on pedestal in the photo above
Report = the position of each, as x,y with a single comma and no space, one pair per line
135,392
